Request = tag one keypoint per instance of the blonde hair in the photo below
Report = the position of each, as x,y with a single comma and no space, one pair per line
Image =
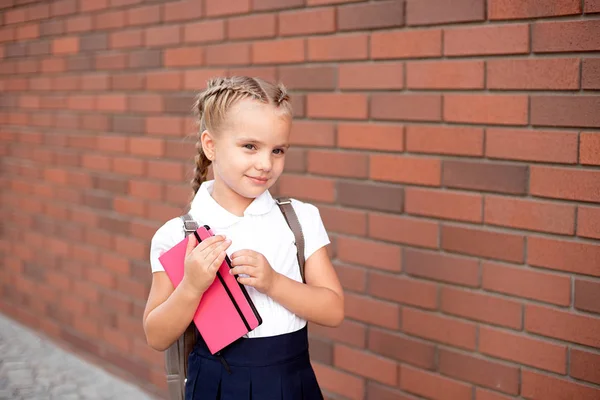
217,99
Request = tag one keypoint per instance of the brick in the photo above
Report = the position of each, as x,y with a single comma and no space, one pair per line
92,5
407,107
483,394
310,133
145,15
439,328
163,80
403,290
278,51
197,79
590,72
435,12
380,137
320,350
351,278
349,332
568,256
511,179
322,2
252,27
182,10
262,5
162,35
65,45
360,251
483,243
79,24
360,308
479,371
28,31
442,267
364,364
63,7
308,77
337,105
578,111
445,75
487,40
167,125
385,14
344,221
371,76
351,165
562,36
585,365
537,386
377,391
481,307
217,8
109,20
372,196
54,65
145,103
507,9
346,47
165,170
227,54
591,6
532,145
402,348
542,74
433,386
444,204
132,38
527,283
587,295
588,222
204,32
406,44
530,215
563,183
562,325
422,171
589,148
183,57
486,109
311,188
307,22
336,381
128,166
405,230
435,139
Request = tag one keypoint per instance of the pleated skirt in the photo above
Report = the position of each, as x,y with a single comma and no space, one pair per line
271,368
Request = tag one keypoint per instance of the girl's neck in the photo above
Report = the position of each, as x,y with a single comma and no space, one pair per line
229,199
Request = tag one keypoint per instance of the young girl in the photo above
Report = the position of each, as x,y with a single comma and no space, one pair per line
244,133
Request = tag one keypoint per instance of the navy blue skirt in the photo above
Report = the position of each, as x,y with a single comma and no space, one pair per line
270,368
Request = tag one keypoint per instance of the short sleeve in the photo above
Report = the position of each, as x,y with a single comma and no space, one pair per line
315,235
163,239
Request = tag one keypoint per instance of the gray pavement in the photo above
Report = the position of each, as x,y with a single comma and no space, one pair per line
34,368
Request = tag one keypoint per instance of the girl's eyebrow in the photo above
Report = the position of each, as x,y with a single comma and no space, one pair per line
254,141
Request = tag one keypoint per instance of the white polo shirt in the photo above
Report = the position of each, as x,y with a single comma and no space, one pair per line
263,229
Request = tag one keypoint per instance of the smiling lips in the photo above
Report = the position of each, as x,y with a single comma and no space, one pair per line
259,181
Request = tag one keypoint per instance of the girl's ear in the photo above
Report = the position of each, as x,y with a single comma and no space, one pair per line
208,145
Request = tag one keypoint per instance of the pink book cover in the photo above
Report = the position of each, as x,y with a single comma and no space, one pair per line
226,312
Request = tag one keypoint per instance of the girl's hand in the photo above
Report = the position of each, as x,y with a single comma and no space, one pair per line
203,261
260,274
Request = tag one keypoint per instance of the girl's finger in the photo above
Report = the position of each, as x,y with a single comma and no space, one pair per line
242,260
243,269
248,281
192,242
216,264
211,241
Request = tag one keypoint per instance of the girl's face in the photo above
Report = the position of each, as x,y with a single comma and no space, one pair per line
249,153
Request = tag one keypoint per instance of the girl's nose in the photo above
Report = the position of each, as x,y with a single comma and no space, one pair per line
264,163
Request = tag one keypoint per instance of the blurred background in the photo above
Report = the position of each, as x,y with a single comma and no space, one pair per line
451,146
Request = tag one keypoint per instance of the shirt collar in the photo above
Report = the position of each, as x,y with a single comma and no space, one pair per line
205,210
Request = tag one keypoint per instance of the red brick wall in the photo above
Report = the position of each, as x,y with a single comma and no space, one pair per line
452,147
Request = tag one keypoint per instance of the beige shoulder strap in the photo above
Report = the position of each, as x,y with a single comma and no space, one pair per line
285,204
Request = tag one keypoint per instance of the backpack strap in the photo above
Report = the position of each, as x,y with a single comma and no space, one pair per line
176,356
285,205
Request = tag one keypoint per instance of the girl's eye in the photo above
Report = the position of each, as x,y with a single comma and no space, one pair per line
278,151
249,146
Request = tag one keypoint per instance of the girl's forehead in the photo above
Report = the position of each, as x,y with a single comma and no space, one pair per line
259,120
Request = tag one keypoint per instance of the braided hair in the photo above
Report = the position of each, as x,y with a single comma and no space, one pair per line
216,100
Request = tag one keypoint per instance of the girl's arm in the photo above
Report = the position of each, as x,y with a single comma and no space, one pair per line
320,300
168,311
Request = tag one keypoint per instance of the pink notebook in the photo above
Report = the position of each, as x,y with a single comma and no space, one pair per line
226,312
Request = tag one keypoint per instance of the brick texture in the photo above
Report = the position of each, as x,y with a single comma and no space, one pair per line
452,148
